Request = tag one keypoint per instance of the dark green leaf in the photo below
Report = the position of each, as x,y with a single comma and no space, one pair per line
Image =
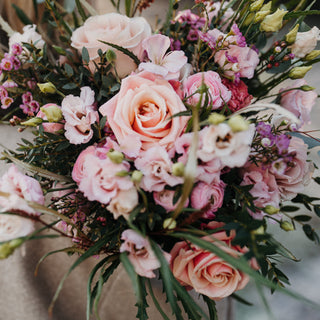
309,232
21,15
128,7
102,122
68,70
60,50
317,210
317,180
70,86
298,14
289,208
211,307
241,300
85,55
81,11
302,218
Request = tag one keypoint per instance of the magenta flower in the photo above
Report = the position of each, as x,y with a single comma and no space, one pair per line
6,64
16,49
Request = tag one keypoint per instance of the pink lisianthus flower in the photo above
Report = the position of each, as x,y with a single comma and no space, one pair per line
79,114
208,197
265,188
240,98
298,175
217,91
231,148
166,65
165,198
21,189
50,127
299,102
206,272
98,176
156,166
140,253
142,113
242,60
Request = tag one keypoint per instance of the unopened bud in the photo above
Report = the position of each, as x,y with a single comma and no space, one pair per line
271,210
5,250
291,36
312,55
298,72
238,123
248,19
33,122
52,112
286,225
115,156
111,55
216,118
273,22
136,176
259,231
265,142
47,87
256,5
264,11
169,223
178,169
307,88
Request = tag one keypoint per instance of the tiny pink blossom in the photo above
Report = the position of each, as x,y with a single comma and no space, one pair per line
166,65
6,102
141,254
156,166
6,64
16,49
9,84
79,114
27,97
3,92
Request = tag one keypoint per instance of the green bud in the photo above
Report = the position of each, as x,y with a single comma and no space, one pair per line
216,118
259,231
265,10
136,176
178,169
307,88
291,36
169,223
273,22
122,173
52,112
238,123
33,122
256,5
286,225
271,210
47,87
15,243
298,72
115,156
111,55
5,250
248,19
312,55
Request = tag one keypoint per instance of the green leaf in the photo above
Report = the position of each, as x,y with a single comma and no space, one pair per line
317,180
289,208
128,7
70,86
211,307
282,249
60,50
81,11
317,210
302,218
85,55
123,50
241,300
298,14
68,70
21,15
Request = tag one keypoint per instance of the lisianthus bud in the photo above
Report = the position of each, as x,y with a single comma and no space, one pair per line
47,87
270,209
238,123
136,176
33,122
7,248
52,112
178,169
307,88
248,19
291,36
298,72
312,55
115,156
265,10
259,231
273,22
216,118
169,223
286,225
111,55
256,5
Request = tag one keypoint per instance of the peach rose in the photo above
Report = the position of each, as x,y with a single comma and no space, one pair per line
206,272
113,28
141,112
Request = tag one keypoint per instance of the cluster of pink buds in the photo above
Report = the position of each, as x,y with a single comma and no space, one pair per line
29,106
277,57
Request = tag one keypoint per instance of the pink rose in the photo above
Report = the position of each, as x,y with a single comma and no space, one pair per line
21,189
299,102
113,28
156,166
296,177
240,98
208,197
165,199
142,112
218,93
244,61
141,254
50,127
79,114
305,42
265,188
206,272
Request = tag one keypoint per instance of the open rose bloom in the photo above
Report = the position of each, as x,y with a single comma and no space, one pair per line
160,150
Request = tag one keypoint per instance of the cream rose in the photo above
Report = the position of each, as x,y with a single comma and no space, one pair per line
113,28
141,113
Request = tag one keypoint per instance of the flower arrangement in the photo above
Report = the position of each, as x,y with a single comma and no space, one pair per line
166,151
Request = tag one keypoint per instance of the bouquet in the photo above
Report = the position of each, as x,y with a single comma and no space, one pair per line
168,151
